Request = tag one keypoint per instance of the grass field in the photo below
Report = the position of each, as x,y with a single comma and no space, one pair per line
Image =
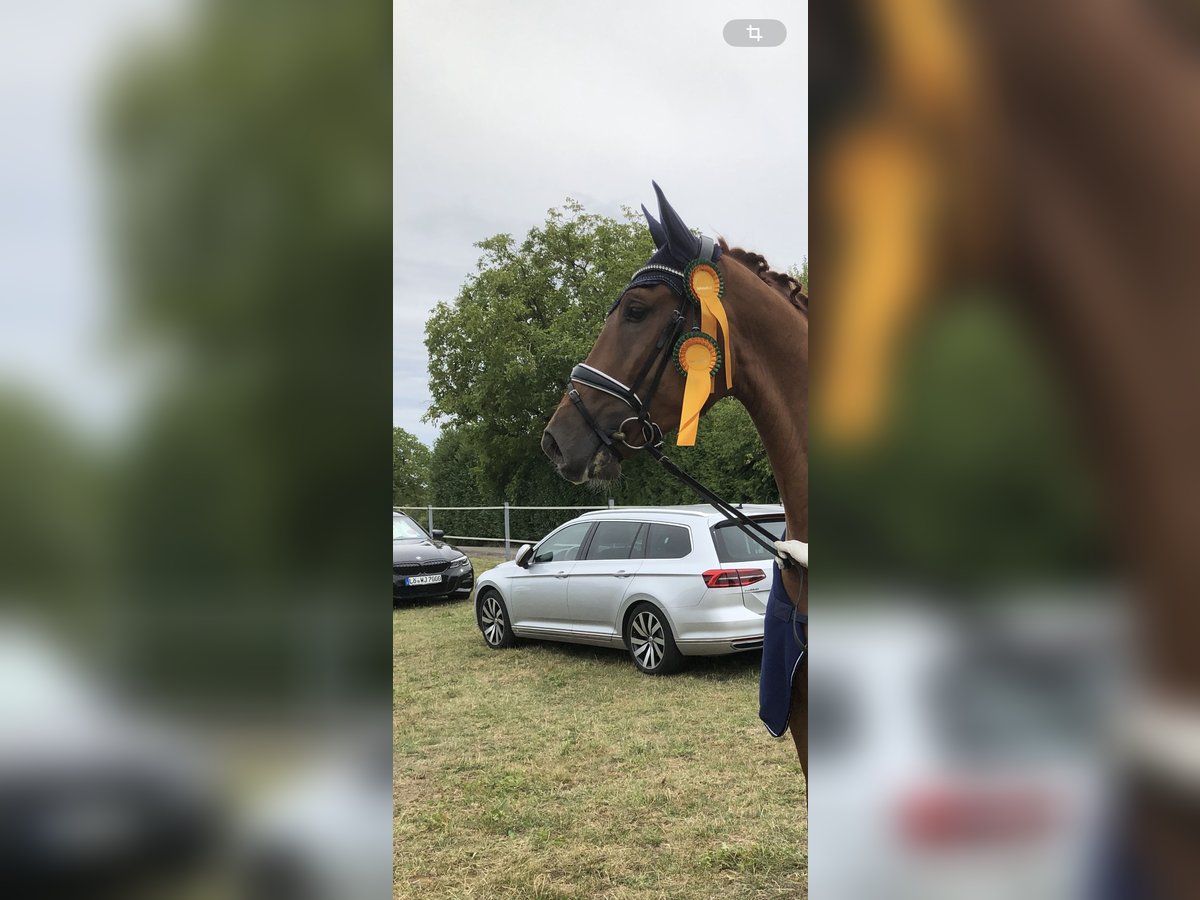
555,771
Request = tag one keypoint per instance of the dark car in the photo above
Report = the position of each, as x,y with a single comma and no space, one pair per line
97,799
424,566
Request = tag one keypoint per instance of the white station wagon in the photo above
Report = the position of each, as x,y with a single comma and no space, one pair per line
663,582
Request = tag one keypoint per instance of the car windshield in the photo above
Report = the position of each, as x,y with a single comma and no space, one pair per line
405,529
734,545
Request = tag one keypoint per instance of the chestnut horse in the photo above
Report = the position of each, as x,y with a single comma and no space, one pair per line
768,351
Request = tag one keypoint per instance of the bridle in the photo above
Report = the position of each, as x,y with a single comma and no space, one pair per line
650,433
601,381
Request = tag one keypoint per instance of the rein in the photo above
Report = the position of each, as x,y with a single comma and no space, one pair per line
651,433
753,530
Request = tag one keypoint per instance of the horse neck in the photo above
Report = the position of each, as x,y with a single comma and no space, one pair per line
770,377
1114,288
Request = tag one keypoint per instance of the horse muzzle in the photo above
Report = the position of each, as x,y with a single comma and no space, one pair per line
604,465
579,464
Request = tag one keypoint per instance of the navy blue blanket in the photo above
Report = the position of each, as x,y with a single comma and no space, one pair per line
785,639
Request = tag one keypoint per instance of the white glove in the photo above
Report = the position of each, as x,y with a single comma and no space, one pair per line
797,550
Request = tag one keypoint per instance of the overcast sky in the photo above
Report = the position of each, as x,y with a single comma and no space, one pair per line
55,291
502,110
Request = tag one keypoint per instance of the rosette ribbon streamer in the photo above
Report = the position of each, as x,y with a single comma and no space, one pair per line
698,359
705,288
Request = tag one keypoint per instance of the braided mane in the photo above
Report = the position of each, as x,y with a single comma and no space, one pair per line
782,282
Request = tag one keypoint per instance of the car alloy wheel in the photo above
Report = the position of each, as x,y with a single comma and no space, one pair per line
647,641
491,620
650,642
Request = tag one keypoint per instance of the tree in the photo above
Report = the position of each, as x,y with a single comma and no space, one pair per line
55,542
500,351
454,470
977,480
249,161
410,469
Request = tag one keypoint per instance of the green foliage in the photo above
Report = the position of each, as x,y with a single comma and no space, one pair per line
499,353
410,469
454,478
800,273
498,357
250,161
978,481
53,541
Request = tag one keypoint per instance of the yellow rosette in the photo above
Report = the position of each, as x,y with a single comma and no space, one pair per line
705,288
698,358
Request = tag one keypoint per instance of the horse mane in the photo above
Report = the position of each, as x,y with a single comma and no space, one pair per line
781,281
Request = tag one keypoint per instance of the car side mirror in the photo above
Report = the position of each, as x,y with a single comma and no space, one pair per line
438,534
524,556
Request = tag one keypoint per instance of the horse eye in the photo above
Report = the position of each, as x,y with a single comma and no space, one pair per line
635,312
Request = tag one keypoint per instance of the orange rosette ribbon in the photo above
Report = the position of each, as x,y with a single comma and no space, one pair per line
698,358
705,288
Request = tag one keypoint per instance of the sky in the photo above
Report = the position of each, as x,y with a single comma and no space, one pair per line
502,111
56,297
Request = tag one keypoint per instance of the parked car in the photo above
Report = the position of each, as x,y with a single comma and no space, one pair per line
960,752
425,566
662,582
97,797
322,831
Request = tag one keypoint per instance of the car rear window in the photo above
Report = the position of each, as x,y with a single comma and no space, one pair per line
998,702
613,540
668,542
734,545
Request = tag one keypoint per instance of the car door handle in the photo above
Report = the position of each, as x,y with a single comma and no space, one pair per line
621,573
560,574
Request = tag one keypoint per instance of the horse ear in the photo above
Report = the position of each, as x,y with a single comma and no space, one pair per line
656,229
684,245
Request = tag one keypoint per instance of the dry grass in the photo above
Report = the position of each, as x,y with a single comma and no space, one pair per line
553,771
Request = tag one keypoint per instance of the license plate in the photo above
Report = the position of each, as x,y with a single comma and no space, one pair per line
423,579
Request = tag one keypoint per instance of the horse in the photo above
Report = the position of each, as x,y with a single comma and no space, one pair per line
765,366
1076,126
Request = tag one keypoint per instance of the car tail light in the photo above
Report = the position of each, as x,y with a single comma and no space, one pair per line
719,578
943,817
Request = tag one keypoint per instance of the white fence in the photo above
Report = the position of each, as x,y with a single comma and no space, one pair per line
508,540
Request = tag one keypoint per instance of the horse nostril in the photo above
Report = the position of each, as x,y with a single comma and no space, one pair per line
550,447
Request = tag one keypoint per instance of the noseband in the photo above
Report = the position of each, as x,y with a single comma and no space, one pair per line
596,379
650,433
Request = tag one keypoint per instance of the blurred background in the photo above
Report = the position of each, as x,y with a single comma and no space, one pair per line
999,406
195,275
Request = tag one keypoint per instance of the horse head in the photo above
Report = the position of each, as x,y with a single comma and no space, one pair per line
630,388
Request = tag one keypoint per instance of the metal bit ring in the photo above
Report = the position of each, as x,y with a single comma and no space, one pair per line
649,432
